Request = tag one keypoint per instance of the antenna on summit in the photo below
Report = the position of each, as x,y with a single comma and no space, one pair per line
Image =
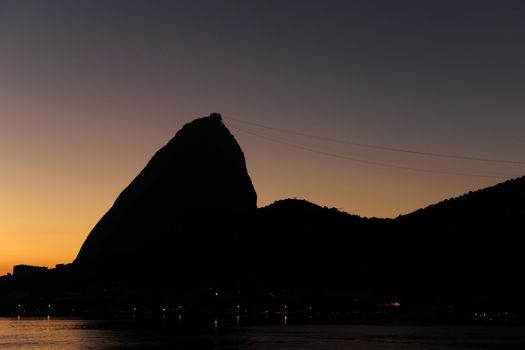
216,115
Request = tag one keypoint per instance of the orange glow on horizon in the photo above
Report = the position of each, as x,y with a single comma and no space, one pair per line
49,206
45,222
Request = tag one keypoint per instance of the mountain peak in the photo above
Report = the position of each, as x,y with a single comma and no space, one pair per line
214,119
201,173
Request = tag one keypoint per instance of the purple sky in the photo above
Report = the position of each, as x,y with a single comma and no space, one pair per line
90,89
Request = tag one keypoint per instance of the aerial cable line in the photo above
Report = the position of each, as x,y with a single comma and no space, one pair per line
379,147
363,161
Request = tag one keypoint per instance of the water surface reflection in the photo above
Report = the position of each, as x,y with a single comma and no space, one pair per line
69,334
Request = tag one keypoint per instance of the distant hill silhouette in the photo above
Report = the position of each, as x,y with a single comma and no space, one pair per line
497,204
455,251
472,241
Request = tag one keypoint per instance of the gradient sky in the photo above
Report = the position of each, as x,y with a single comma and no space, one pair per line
89,90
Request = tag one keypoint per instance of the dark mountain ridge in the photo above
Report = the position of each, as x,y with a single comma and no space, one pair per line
191,213
504,200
